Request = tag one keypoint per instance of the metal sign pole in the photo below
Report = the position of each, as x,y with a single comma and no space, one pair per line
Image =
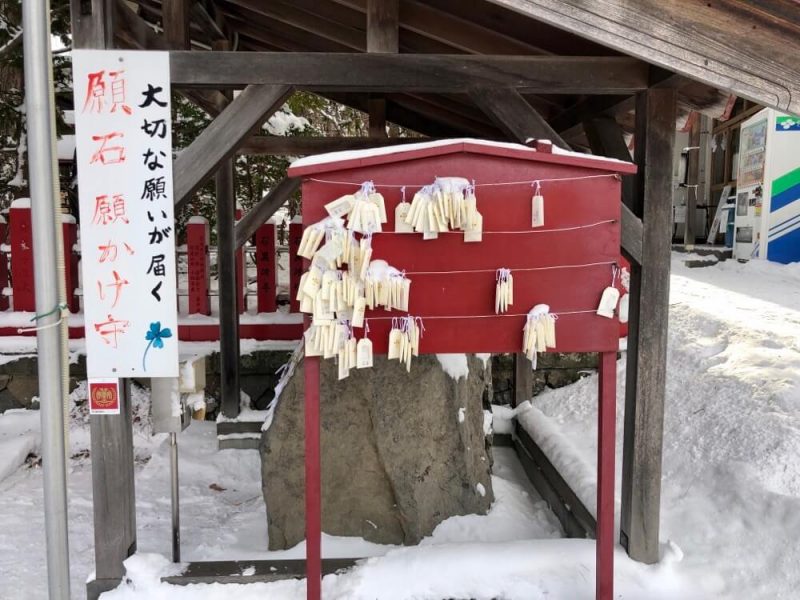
47,251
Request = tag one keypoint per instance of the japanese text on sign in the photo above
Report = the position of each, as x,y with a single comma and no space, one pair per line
127,225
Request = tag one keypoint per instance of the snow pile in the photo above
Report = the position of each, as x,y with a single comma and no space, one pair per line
284,122
455,365
19,437
731,479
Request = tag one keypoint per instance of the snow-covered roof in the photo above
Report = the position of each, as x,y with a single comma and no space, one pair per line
326,162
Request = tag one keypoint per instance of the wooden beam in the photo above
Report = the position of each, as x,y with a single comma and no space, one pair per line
222,137
308,21
175,19
383,32
701,40
606,138
408,72
304,146
632,234
648,323
264,209
377,117
441,26
513,115
134,32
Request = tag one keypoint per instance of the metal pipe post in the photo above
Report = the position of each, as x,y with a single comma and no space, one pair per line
40,112
176,509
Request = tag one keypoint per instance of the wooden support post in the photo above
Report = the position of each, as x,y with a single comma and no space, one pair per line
265,268
383,17
228,297
648,322
313,489
113,495
21,239
197,240
377,117
523,379
512,114
383,36
175,18
692,182
295,264
606,431
113,492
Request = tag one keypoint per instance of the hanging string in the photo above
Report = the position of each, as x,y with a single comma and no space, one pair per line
538,230
493,316
548,268
476,185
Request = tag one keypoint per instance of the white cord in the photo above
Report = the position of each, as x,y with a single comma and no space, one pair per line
552,230
567,312
548,268
500,183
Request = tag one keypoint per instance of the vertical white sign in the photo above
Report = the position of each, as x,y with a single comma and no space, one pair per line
127,225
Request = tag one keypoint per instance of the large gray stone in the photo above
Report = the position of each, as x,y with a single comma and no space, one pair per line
397,457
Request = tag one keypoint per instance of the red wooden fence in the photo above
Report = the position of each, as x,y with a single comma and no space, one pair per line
196,321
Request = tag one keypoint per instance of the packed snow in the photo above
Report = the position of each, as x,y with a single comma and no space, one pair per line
731,486
330,157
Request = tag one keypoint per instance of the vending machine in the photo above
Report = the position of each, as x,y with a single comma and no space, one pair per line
767,217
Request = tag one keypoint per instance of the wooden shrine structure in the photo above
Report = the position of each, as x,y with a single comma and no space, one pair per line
584,75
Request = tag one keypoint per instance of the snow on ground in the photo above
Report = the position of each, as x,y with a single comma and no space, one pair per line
731,489
731,480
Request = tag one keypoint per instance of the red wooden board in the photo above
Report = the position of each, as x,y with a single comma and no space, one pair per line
506,209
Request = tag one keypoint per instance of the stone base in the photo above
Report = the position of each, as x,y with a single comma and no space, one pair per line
401,452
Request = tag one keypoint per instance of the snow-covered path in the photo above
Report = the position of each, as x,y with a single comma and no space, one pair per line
731,480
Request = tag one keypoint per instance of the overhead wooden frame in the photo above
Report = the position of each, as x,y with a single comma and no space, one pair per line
409,72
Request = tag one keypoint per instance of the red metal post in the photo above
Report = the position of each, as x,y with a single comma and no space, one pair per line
606,430
313,481
3,266
265,268
197,238
70,234
21,257
295,264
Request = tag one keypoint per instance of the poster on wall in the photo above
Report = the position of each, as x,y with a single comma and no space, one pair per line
127,225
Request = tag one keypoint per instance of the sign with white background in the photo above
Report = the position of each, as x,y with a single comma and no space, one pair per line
127,225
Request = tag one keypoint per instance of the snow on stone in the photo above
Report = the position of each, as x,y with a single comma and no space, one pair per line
461,413
330,157
480,489
484,358
455,365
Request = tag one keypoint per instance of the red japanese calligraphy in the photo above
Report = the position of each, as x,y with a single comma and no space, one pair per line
108,155
96,92
109,251
117,284
108,211
118,93
110,330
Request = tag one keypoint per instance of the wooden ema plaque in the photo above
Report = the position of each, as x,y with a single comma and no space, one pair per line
566,264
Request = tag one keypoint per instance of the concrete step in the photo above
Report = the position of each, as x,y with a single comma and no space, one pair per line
252,571
239,435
